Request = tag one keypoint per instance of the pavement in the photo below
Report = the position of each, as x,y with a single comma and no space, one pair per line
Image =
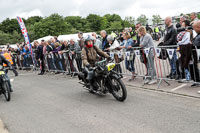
58,104
174,87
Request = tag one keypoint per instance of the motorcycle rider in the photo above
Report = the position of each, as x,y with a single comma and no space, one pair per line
89,57
4,61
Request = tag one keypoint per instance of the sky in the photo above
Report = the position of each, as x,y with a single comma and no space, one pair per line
134,8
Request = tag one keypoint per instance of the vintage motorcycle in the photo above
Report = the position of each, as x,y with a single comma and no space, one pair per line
105,80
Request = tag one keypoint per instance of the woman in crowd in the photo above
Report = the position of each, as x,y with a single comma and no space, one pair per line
113,45
184,41
57,56
127,45
146,41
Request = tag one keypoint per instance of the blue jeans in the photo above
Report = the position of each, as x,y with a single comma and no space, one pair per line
173,63
130,65
26,62
60,65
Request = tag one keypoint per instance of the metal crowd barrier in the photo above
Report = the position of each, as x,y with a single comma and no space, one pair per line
150,63
21,62
168,63
63,62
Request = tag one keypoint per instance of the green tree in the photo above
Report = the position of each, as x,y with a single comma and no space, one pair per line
95,22
128,22
53,25
9,26
115,26
156,19
142,19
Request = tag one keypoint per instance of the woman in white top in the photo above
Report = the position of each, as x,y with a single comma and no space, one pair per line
184,41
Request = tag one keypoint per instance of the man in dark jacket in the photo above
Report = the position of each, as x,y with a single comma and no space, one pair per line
105,43
196,44
41,56
170,40
81,40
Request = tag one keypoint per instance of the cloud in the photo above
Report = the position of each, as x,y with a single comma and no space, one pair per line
35,12
27,8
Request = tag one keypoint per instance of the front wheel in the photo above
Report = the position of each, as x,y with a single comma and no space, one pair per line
6,91
119,91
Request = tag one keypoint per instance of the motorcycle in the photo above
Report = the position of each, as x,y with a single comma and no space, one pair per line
4,85
105,80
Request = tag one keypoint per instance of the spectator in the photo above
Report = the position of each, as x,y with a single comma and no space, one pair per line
41,57
184,41
105,43
113,45
81,40
26,55
57,57
146,41
136,38
127,45
193,17
97,42
196,44
170,40
76,53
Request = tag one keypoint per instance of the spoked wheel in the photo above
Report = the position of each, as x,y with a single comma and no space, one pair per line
118,89
6,91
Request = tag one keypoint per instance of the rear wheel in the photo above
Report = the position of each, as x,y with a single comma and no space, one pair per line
118,89
6,91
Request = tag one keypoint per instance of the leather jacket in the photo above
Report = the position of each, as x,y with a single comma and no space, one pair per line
170,37
196,41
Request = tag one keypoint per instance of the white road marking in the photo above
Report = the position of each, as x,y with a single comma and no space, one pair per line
11,80
178,87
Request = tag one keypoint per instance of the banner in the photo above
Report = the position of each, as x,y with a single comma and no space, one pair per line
147,51
170,52
158,50
112,55
119,54
128,55
25,33
137,53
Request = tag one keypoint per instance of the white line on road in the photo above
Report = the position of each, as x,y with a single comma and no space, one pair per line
178,87
11,80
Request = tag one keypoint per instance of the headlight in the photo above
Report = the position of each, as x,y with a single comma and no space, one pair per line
110,66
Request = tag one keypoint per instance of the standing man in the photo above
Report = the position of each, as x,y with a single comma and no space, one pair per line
193,17
105,43
136,37
170,40
81,40
41,57
76,53
97,42
196,43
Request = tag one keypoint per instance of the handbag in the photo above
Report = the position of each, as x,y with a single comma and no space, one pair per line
143,57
